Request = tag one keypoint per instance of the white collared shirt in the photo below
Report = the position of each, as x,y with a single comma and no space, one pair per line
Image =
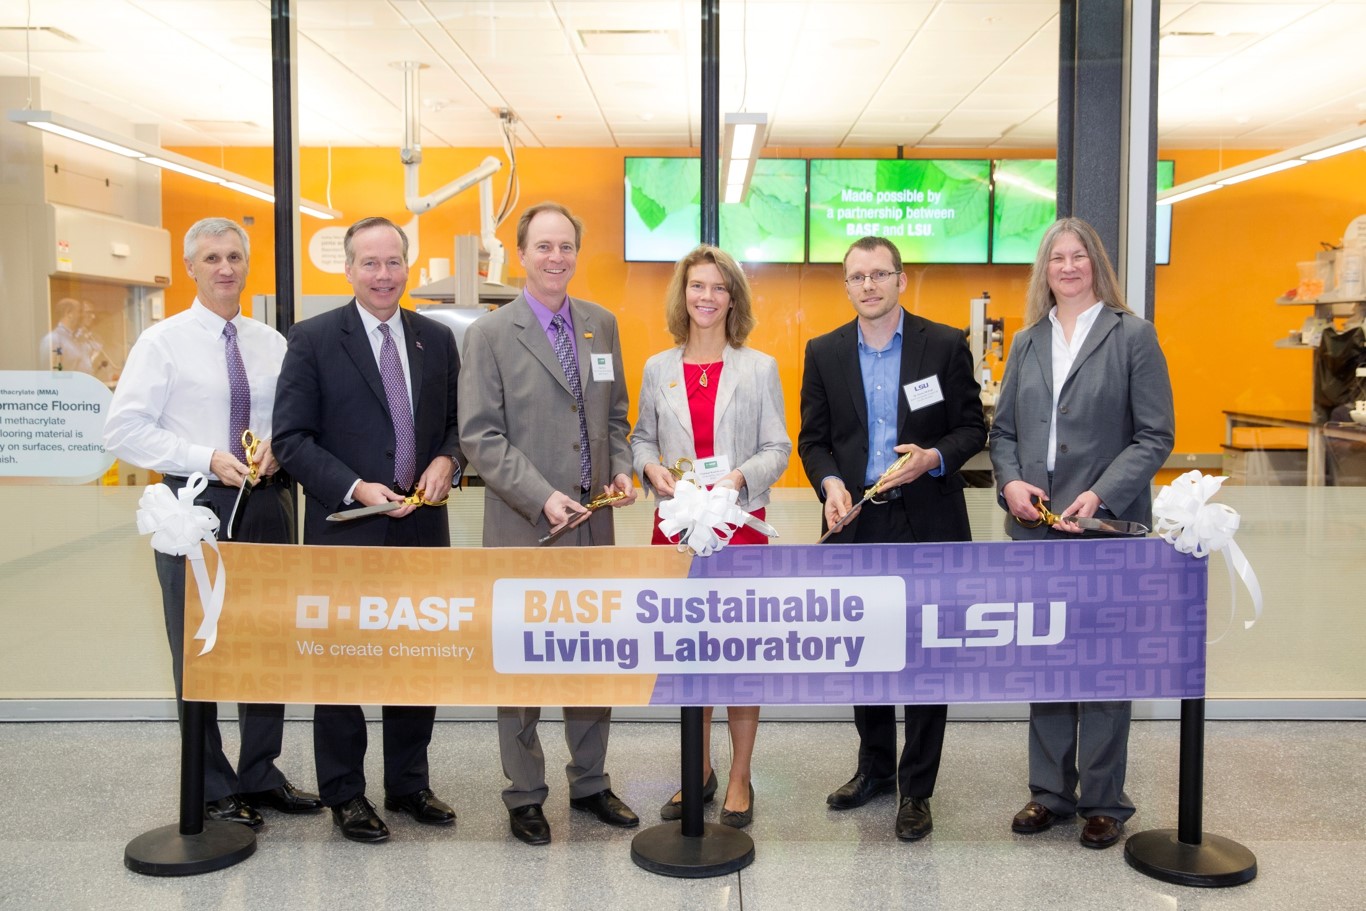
1064,356
171,407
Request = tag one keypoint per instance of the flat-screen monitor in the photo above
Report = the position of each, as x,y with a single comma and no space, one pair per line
1024,204
664,211
934,210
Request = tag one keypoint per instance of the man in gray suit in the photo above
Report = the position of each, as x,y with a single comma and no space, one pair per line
543,421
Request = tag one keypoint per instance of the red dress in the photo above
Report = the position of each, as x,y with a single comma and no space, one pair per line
702,410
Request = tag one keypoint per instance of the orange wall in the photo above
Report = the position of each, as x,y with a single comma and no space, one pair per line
1233,252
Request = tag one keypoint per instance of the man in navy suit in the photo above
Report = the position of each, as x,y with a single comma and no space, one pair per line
885,385
365,413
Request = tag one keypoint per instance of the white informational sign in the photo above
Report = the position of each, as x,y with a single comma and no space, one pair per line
326,252
52,426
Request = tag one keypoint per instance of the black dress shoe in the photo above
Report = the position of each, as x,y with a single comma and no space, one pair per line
1100,831
674,808
232,809
859,790
424,806
359,822
286,798
1035,818
608,808
529,824
738,819
913,820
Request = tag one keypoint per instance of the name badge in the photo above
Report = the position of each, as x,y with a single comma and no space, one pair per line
711,469
922,393
602,368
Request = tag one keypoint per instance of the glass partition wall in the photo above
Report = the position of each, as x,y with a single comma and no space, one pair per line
81,604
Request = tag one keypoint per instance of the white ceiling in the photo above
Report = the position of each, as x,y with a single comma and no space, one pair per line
829,73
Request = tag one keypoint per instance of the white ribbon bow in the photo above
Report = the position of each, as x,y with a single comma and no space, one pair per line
1188,521
704,519
180,528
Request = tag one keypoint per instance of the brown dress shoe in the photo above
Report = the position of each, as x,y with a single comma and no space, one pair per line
1100,831
1034,818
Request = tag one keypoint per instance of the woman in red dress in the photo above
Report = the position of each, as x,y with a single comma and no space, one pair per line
714,398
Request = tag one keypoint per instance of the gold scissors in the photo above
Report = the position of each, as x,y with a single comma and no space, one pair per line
680,467
870,494
1118,527
416,499
250,444
598,502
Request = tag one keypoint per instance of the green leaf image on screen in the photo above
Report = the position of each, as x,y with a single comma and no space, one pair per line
663,215
1025,204
934,210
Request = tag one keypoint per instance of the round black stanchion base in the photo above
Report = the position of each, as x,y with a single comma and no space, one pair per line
1214,863
169,852
719,850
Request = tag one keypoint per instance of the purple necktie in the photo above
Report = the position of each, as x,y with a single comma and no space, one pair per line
391,370
239,410
564,350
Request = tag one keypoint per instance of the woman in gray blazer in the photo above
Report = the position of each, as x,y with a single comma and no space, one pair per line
1084,422
712,398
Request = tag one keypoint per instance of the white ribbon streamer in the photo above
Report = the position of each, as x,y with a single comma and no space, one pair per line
180,528
703,519
1188,521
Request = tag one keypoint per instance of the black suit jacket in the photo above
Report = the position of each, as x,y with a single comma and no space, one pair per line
332,421
834,433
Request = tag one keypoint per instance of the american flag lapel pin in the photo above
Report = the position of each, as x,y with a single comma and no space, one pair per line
418,343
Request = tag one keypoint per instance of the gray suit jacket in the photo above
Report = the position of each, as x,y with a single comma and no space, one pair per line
749,427
519,425
1116,421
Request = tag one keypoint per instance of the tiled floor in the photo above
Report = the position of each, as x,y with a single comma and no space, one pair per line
76,793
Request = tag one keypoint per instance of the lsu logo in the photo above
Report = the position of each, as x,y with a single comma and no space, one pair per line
371,612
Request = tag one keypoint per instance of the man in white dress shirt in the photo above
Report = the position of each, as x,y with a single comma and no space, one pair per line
192,384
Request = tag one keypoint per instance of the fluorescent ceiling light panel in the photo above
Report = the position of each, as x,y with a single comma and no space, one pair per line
147,153
1334,144
1263,171
742,138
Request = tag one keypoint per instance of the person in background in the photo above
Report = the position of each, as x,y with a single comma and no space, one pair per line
101,366
711,397
62,348
886,385
365,414
193,383
543,420
1084,420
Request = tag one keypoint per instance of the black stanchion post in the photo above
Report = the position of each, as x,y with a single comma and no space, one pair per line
195,845
691,848
1186,855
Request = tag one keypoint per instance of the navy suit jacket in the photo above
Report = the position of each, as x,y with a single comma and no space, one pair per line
332,421
834,433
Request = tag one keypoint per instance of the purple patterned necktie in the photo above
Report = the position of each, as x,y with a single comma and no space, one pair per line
239,409
565,352
391,370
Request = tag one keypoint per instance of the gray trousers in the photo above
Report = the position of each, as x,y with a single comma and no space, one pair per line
1080,743
585,732
269,519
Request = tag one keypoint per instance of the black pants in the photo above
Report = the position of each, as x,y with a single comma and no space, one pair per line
919,765
340,738
269,519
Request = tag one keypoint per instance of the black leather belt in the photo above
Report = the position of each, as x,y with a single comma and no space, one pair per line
272,480
888,496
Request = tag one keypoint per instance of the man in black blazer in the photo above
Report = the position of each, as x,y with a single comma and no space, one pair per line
365,413
885,385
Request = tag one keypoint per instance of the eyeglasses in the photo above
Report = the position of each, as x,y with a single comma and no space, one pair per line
878,277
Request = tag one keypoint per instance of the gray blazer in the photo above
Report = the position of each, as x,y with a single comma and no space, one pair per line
749,427
1116,421
519,426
